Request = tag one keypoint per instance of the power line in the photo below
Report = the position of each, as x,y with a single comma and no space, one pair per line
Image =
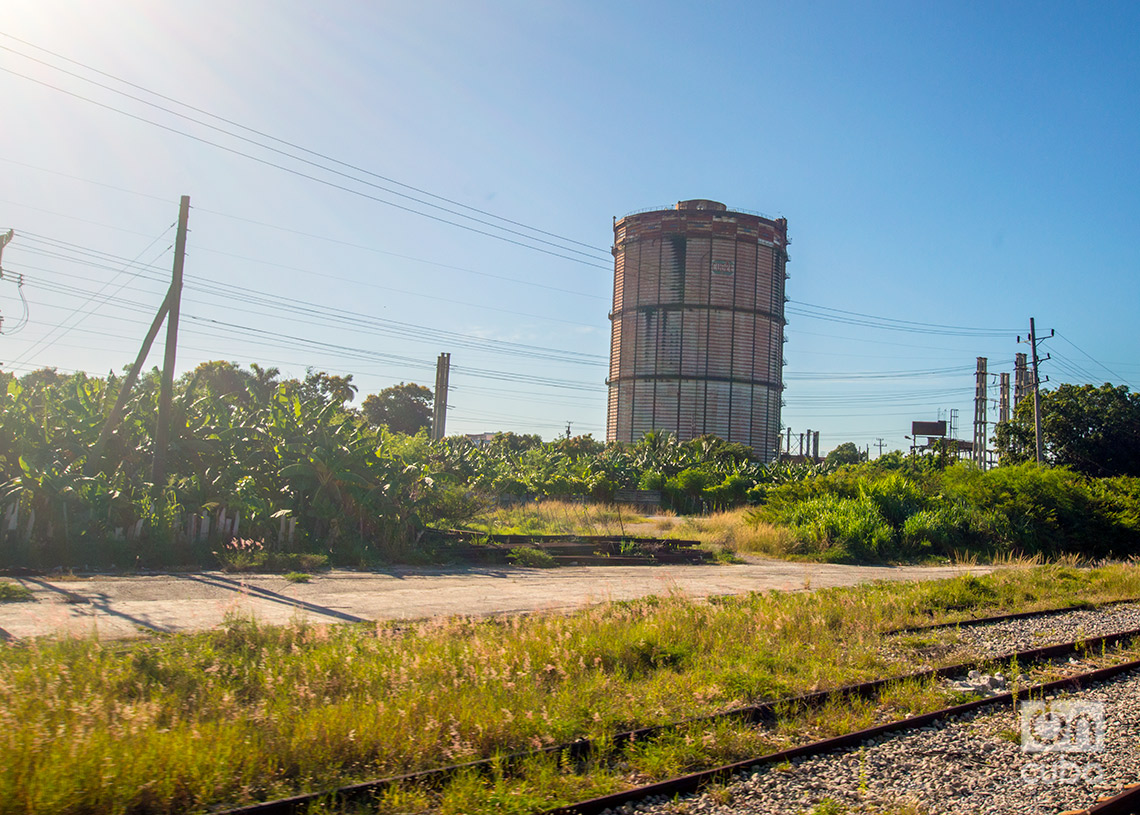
268,136
62,331
312,236
838,315
357,319
319,180
1117,376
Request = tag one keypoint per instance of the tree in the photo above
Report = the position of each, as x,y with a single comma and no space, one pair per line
515,442
216,378
846,453
322,385
1095,431
403,408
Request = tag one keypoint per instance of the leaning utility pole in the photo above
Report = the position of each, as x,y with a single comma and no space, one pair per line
173,304
1035,381
95,457
439,411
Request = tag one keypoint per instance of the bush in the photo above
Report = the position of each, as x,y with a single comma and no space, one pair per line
14,593
247,556
841,528
534,558
941,529
1035,509
896,497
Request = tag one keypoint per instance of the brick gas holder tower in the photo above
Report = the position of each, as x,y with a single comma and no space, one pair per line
698,325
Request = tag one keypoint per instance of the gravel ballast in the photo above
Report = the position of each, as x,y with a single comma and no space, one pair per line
996,639
972,764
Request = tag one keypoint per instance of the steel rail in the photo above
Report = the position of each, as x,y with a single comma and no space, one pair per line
1126,803
694,781
764,712
1013,615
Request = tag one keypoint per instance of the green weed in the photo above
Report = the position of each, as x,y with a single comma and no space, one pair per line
14,593
529,556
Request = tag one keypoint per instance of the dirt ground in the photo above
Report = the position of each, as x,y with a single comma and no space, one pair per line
115,607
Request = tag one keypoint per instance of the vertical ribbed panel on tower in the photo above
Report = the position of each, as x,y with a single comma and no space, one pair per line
698,325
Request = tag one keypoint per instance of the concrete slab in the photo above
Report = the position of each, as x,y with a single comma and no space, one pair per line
116,607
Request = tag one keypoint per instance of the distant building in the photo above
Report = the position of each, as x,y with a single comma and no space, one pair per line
696,345
481,439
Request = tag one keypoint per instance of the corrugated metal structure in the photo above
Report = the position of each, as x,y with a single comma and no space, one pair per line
698,325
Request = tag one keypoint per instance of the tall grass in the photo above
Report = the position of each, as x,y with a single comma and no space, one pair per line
731,531
233,716
553,517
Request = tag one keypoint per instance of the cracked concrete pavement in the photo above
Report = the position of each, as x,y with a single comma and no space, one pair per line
116,606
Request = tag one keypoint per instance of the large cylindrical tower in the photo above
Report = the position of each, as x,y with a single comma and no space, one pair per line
698,325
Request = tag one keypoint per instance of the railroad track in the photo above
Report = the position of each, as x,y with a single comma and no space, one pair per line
764,713
1010,617
1124,803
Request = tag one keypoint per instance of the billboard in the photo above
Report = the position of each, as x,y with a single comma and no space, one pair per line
928,428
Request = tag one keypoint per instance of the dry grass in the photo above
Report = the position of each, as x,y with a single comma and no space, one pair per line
223,718
731,531
560,518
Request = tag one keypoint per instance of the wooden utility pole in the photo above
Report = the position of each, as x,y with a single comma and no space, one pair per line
96,455
439,410
173,303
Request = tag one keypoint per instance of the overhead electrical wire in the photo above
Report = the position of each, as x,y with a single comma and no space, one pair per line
80,315
411,330
436,297
317,179
263,337
1093,359
835,376
808,377
265,135
198,209
910,324
838,315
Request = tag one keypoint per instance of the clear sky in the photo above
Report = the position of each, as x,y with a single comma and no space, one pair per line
947,171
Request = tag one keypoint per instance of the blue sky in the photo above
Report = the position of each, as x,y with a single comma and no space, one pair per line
962,165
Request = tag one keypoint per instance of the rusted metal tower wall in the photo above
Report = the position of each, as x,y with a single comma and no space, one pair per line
698,325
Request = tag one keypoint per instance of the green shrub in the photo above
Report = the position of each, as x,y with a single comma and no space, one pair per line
896,497
651,480
841,528
14,593
1034,509
534,558
257,560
